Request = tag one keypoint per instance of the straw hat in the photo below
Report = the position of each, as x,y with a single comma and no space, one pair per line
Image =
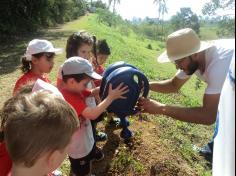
181,44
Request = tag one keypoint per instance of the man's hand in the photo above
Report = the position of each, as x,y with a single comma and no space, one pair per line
150,106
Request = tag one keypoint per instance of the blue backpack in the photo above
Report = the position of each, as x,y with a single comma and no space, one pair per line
121,72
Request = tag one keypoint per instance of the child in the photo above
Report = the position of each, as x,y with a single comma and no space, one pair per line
37,61
101,52
77,73
44,124
81,44
78,44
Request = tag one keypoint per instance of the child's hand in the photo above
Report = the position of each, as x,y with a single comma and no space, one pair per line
118,92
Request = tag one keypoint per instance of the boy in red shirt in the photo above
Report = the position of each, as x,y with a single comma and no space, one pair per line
44,124
77,73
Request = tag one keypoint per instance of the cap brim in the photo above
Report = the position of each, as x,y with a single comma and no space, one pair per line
94,75
56,50
163,58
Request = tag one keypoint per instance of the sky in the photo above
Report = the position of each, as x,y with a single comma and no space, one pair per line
145,8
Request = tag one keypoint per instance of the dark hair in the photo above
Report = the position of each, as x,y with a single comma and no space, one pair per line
103,47
75,41
26,64
100,47
77,77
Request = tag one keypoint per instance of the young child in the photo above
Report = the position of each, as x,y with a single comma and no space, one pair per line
77,73
81,44
38,129
100,53
37,61
78,44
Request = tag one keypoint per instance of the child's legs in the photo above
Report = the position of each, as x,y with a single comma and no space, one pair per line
80,167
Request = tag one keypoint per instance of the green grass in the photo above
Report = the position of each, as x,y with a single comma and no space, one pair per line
175,137
209,32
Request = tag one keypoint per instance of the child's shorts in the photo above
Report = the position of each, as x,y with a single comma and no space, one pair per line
82,166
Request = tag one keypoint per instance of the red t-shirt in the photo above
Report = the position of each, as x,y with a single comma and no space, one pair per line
77,101
28,77
5,161
99,69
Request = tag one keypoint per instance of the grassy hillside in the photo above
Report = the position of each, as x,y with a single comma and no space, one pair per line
161,146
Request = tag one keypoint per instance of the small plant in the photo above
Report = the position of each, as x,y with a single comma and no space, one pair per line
125,162
149,47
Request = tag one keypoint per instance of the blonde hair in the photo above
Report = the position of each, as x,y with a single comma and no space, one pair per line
36,123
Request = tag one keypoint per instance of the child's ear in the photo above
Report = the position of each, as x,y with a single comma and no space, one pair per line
54,160
71,81
34,60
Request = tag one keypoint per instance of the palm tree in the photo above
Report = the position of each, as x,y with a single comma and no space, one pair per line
115,2
162,10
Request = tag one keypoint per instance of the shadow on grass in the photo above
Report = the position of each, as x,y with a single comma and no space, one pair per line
102,168
12,50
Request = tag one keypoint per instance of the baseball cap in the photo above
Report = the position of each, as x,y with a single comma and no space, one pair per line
78,65
40,46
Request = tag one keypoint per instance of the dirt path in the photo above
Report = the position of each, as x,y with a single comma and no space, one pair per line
145,155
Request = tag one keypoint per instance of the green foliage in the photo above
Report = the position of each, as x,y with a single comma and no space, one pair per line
108,18
226,23
99,4
211,7
226,28
149,47
125,162
186,18
26,16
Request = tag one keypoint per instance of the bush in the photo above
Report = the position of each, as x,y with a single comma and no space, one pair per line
108,18
149,46
25,16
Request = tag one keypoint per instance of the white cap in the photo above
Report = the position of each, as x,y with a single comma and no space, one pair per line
40,46
78,65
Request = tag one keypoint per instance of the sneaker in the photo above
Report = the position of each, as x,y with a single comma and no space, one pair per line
126,134
206,151
101,137
98,154
115,122
57,173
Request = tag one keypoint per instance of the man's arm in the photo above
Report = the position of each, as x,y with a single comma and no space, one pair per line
201,115
168,86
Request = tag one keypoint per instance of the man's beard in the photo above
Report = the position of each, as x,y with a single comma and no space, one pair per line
193,67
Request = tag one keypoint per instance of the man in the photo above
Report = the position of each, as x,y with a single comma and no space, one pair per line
208,60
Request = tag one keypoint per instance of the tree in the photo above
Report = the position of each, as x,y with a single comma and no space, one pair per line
186,19
210,8
162,10
25,16
115,2
226,24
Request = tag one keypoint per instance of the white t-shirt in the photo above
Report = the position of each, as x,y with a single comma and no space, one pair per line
224,143
218,59
83,139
